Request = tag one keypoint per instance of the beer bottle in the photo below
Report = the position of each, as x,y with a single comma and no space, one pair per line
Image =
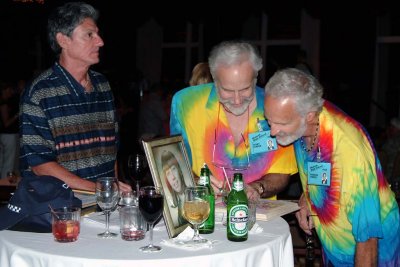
208,226
237,211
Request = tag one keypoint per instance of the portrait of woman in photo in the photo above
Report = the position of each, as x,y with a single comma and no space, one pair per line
176,186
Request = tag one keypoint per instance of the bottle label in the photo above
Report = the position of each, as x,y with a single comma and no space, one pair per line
238,217
203,180
238,185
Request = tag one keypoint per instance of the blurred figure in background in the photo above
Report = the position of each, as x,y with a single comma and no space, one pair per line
302,63
391,149
9,129
200,74
152,114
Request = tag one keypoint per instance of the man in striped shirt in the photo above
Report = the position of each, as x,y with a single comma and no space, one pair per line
68,121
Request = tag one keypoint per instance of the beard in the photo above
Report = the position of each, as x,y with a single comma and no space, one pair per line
285,139
235,109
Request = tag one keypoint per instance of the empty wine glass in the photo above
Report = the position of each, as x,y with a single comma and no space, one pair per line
151,203
196,210
107,196
137,168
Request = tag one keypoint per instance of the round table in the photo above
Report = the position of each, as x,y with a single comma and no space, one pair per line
271,247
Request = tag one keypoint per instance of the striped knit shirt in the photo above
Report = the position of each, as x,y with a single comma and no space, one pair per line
60,122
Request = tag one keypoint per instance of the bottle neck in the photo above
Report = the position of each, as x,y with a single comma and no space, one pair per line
238,184
204,180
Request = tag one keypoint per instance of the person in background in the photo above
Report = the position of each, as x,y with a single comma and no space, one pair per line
301,62
176,185
68,120
356,217
218,122
152,114
200,74
391,148
9,130
20,86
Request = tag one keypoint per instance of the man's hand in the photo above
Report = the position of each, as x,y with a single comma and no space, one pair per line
367,253
217,185
303,216
123,187
252,193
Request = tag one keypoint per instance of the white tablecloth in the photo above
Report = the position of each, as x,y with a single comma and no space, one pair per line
272,247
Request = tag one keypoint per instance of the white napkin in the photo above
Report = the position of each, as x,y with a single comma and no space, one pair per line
186,235
99,219
256,229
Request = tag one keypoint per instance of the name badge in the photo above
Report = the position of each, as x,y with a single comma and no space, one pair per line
319,173
262,142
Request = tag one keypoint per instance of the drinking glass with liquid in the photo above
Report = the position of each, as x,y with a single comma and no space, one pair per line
132,224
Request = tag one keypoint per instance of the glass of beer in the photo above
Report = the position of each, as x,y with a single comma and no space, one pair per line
196,209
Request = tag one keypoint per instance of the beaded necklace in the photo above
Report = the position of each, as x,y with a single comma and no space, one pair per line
313,142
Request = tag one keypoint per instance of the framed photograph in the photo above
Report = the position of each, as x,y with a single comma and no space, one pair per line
171,170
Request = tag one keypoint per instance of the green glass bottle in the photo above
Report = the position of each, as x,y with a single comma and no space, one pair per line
208,226
237,211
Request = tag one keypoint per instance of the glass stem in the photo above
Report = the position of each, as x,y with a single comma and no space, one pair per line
137,190
107,221
151,234
196,232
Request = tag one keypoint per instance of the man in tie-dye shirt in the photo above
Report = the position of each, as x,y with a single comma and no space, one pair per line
223,125
355,213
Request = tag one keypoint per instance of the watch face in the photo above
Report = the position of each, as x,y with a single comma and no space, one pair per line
260,188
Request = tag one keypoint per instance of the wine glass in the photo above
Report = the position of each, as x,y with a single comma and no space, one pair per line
151,203
107,196
137,167
196,210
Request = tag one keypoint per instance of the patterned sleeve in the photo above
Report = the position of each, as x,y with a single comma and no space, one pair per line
177,124
363,203
37,144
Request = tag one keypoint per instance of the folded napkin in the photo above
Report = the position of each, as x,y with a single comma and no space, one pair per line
256,229
186,235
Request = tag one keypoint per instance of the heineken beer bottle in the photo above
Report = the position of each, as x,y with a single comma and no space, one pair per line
237,211
208,226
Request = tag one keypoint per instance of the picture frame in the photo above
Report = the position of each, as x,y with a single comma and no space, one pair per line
167,159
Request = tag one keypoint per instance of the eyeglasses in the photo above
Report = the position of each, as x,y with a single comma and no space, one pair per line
236,164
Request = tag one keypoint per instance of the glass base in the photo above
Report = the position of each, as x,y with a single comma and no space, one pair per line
150,248
196,241
107,235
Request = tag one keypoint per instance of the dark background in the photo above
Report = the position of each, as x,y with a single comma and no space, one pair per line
346,46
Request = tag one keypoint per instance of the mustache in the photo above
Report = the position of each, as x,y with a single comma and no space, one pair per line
232,108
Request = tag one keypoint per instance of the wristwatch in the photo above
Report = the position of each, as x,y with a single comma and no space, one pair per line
260,189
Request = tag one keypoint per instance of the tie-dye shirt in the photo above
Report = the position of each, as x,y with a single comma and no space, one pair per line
199,117
358,204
